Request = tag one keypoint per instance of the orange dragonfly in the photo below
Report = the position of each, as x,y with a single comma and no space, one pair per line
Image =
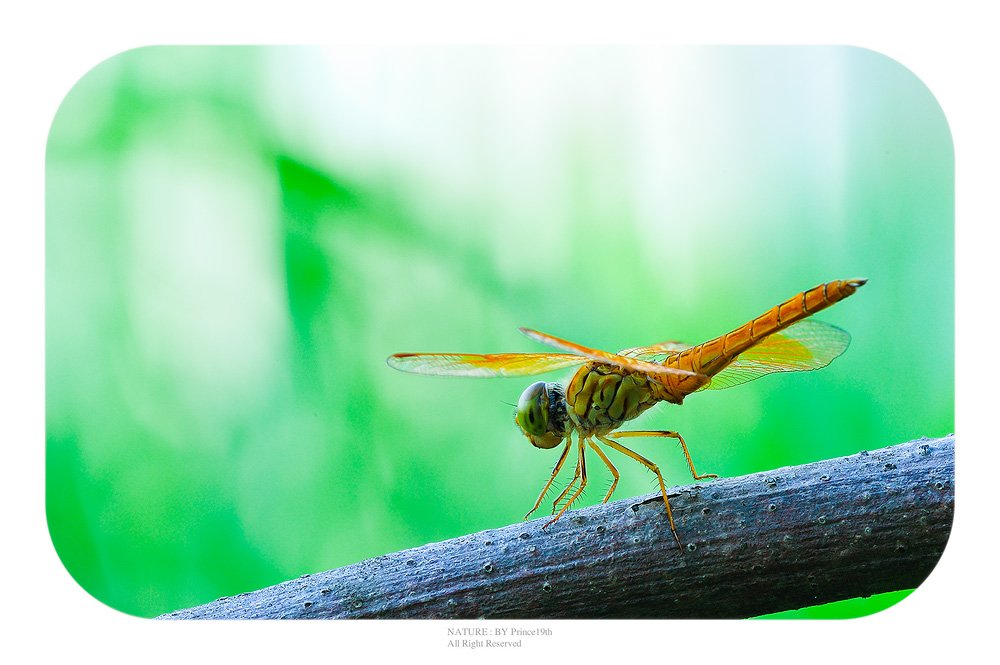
612,388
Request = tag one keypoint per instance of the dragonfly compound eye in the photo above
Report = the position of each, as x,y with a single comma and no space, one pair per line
533,409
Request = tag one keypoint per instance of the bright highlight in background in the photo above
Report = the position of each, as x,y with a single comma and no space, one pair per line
237,238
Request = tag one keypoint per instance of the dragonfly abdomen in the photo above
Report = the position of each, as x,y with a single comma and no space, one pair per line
714,355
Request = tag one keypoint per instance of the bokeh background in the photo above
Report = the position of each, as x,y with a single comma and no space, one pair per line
237,238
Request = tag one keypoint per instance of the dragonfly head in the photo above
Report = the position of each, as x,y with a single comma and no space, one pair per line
541,414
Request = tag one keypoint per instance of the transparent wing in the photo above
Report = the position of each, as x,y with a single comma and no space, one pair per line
631,364
805,346
656,353
483,365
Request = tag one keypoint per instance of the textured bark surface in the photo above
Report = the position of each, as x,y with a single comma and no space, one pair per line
789,538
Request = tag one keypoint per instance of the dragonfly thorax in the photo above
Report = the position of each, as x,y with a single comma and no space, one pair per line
541,414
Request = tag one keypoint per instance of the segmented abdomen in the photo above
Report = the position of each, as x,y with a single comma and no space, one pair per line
712,357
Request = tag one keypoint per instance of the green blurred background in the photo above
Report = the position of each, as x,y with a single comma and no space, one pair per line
237,238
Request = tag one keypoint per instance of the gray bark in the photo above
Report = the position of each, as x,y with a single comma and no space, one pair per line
793,537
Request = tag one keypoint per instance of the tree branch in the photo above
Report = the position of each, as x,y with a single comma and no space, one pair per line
798,536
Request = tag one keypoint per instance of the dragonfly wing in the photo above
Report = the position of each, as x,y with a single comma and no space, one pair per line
656,353
804,346
631,364
483,365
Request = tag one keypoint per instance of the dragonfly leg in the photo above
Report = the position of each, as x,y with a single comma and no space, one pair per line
611,468
582,465
672,435
555,472
566,490
652,467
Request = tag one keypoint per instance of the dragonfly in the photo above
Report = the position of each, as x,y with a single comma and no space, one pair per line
610,389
